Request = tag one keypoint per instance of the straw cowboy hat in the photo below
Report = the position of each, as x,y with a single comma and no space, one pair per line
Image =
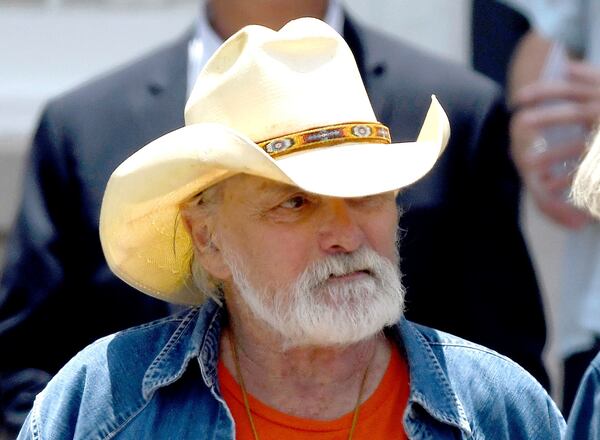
288,106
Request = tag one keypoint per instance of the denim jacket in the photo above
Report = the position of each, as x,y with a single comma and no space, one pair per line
584,420
159,381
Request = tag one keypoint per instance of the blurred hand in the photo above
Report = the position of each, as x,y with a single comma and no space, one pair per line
548,170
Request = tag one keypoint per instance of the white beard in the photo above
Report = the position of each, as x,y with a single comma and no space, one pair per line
318,311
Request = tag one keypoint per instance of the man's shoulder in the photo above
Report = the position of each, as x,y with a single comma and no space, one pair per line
135,347
111,378
401,78
465,357
130,352
423,68
154,334
123,82
492,389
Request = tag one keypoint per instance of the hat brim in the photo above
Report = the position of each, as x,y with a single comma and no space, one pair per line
146,245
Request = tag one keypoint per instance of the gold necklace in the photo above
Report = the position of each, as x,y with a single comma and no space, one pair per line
238,371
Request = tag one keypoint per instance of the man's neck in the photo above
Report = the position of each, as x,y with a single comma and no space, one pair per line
308,382
229,16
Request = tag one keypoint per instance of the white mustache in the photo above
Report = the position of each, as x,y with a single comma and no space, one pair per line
337,265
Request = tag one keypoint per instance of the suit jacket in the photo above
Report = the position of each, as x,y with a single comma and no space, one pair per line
492,50
463,257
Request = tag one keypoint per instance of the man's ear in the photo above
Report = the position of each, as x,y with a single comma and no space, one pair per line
201,228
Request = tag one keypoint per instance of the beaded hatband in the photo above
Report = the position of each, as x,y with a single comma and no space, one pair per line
327,136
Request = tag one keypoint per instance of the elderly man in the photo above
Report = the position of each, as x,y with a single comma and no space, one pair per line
274,211
461,221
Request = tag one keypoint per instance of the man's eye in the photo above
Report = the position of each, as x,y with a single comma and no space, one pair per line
294,202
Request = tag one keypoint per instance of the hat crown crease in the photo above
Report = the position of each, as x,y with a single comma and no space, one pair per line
311,60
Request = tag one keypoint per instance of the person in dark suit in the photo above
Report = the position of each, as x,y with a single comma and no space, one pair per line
460,222
496,29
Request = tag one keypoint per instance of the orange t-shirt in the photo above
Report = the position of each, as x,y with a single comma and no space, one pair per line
380,415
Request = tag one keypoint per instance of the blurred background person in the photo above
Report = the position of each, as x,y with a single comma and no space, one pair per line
496,28
461,221
554,88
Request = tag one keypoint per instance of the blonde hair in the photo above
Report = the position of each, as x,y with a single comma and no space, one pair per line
585,191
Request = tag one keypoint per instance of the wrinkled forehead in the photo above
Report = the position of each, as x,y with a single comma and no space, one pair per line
249,185
259,187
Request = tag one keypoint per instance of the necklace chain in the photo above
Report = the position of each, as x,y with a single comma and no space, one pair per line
236,361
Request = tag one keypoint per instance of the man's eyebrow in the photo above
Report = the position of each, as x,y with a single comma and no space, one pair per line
278,189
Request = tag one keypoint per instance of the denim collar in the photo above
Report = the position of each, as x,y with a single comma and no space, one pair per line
429,385
197,336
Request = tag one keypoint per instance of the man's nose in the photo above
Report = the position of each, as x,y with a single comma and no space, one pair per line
339,229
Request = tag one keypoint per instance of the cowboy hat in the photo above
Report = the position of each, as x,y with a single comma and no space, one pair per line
288,106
